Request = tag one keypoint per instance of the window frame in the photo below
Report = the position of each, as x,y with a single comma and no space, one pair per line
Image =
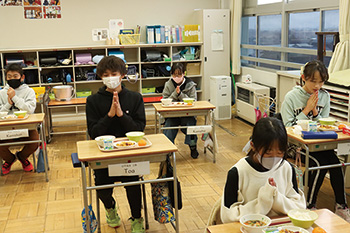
284,8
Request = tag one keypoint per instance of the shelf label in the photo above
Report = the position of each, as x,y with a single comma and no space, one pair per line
89,48
129,169
19,51
11,134
121,47
343,149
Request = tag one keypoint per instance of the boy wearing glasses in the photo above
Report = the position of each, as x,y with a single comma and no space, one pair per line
17,96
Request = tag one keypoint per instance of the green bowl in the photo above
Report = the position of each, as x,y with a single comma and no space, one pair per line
302,218
135,135
20,113
327,121
188,100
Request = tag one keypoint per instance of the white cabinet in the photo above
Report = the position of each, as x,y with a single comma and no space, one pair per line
246,101
339,102
220,96
215,31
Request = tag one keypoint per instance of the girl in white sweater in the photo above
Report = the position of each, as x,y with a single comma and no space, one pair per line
263,182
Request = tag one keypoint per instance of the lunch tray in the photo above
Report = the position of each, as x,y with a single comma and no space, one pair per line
14,119
285,221
149,143
177,105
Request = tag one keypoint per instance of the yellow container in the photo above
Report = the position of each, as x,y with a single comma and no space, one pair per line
126,39
38,91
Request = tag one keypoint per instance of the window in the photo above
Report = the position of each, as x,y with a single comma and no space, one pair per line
302,28
283,36
262,2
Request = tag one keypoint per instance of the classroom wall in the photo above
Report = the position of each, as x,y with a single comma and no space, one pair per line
79,17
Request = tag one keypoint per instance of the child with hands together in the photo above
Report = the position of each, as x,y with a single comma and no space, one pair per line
263,182
310,102
115,110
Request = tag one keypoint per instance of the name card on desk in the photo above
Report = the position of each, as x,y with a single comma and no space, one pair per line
129,169
11,134
343,149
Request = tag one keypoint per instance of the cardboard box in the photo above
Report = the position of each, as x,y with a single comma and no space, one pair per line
193,68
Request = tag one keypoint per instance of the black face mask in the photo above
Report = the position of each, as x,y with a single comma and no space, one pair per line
14,83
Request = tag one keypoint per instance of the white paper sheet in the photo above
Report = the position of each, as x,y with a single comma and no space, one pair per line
217,40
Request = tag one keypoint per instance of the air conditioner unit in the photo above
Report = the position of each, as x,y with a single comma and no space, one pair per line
220,96
246,102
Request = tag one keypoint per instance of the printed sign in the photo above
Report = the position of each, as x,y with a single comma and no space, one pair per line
129,169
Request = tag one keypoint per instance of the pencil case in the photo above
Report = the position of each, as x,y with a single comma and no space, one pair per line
319,135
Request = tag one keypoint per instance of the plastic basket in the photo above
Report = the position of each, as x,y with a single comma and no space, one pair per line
126,39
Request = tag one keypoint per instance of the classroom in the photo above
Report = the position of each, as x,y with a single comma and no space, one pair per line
174,116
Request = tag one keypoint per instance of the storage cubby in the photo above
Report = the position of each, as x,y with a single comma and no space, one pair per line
49,66
339,102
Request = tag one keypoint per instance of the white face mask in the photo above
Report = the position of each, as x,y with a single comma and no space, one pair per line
112,82
178,80
270,162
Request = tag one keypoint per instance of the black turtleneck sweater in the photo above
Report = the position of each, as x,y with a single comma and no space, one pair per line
98,106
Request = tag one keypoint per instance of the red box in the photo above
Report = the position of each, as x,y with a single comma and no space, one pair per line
152,99
346,131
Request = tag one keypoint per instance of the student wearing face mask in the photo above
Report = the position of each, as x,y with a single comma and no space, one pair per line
263,182
115,110
14,97
177,88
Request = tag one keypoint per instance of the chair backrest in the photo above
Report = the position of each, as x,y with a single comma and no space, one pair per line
214,217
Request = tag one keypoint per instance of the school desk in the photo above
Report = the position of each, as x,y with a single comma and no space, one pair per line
327,220
88,152
314,145
74,102
31,123
199,108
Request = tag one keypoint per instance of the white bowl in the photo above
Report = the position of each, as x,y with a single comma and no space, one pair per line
166,102
252,217
99,140
2,114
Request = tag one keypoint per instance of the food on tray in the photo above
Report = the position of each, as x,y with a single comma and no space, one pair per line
142,142
288,231
341,126
9,117
255,223
125,144
328,127
318,230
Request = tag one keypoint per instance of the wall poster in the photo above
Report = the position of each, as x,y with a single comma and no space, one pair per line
12,3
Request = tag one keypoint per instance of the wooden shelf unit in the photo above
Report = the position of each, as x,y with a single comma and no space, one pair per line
37,74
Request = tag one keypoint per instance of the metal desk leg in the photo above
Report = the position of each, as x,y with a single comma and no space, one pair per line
306,185
175,196
85,198
159,124
214,136
50,125
98,214
144,204
42,136
156,122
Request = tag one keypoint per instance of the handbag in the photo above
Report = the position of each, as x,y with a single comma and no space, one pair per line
169,173
162,208
92,217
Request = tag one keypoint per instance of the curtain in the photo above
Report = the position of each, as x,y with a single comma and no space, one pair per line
341,57
236,9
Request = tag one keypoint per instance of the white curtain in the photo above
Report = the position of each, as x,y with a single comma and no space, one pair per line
236,9
341,57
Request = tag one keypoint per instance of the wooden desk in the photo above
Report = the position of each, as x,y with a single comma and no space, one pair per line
327,220
200,108
88,152
61,104
314,145
31,123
